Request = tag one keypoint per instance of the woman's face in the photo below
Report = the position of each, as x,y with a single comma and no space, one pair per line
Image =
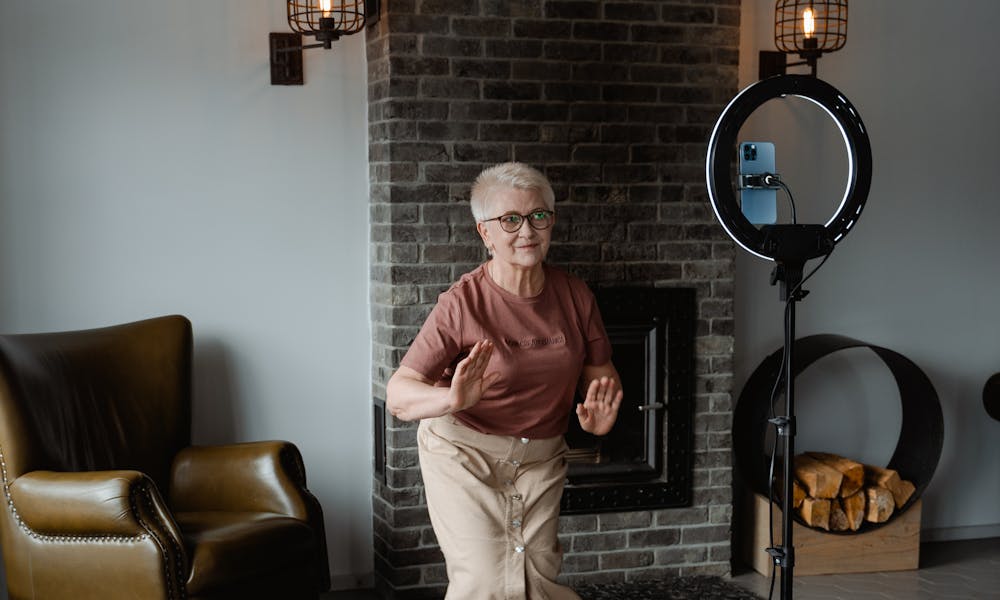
527,246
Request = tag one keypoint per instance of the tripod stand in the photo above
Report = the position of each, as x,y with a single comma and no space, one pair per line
789,274
789,246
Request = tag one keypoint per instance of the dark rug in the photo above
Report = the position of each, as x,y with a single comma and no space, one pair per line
698,587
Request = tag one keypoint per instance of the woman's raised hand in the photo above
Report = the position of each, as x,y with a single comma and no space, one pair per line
470,379
599,409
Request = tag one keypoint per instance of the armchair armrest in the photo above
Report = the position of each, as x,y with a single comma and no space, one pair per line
92,504
249,477
100,509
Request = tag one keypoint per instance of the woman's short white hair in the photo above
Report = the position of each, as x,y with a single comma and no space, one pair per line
509,175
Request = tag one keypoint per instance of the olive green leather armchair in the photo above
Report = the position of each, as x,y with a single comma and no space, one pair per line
104,497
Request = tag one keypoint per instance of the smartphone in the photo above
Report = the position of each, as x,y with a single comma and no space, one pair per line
758,204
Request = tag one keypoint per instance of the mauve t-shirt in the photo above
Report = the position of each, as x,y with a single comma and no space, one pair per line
541,345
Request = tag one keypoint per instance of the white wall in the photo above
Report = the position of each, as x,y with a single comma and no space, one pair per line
919,273
147,167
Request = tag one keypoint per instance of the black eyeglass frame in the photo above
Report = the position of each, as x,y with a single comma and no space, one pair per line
524,219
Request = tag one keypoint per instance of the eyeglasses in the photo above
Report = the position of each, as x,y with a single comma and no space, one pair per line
511,222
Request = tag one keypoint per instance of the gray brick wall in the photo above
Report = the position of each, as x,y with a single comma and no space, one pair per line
614,101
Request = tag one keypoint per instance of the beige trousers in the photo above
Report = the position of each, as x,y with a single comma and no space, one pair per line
494,505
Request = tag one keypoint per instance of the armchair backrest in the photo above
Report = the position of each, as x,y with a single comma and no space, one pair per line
112,398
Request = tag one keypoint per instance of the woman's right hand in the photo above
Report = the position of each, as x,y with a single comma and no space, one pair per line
470,380
409,395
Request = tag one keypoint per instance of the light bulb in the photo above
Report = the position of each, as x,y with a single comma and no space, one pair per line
808,22
326,6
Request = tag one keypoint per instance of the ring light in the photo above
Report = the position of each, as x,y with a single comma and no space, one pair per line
788,242
788,245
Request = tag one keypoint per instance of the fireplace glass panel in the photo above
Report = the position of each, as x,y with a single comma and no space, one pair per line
646,460
630,451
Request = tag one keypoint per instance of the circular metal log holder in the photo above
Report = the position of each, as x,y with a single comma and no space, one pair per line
991,396
921,433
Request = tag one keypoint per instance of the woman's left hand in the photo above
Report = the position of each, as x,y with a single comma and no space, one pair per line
599,409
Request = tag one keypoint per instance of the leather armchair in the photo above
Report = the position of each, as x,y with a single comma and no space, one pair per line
105,498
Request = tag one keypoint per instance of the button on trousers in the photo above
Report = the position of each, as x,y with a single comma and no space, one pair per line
494,505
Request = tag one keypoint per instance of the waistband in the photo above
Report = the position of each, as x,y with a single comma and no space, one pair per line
502,447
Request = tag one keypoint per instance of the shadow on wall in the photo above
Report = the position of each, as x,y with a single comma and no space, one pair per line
213,404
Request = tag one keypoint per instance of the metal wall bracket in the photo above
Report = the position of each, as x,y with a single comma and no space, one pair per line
771,63
286,58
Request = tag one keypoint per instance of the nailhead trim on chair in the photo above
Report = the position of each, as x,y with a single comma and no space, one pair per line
181,593
55,538
103,539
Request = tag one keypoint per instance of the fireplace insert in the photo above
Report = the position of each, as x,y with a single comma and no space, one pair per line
645,462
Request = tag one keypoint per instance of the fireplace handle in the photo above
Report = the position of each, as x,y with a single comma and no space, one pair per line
654,406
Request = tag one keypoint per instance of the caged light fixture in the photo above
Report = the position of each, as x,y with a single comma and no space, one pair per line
808,28
325,20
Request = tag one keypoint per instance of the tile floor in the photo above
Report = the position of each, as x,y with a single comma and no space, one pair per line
967,570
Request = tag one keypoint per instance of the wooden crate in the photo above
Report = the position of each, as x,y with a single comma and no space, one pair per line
893,547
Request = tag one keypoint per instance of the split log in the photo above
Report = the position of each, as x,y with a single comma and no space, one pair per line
853,471
880,504
903,492
819,479
798,494
889,479
854,509
838,518
816,512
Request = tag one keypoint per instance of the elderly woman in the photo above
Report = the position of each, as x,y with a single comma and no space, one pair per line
492,376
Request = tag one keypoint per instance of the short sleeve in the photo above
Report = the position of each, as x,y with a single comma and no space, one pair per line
598,351
438,343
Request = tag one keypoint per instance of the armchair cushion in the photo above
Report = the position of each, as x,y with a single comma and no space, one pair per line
228,547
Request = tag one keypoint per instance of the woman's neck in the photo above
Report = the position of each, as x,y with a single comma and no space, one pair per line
525,282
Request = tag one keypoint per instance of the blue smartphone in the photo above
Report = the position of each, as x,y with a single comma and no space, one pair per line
758,204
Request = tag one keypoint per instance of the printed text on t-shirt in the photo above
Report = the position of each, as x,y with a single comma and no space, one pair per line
530,342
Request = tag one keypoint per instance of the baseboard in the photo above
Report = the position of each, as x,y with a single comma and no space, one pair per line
352,582
950,534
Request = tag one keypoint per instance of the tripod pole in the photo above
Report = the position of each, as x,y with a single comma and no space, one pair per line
790,276
788,549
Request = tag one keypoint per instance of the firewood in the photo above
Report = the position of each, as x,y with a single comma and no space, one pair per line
854,508
819,479
816,512
880,504
838,518
889,479
853,471
903,492
798,494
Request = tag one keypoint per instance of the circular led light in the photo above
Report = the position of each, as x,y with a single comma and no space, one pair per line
765,242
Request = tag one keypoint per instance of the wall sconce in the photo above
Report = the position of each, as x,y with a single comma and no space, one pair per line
807,28
326,20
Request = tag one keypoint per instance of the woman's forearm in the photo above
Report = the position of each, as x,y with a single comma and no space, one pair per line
409,397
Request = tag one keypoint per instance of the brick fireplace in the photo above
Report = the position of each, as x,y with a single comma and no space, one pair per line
614,101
